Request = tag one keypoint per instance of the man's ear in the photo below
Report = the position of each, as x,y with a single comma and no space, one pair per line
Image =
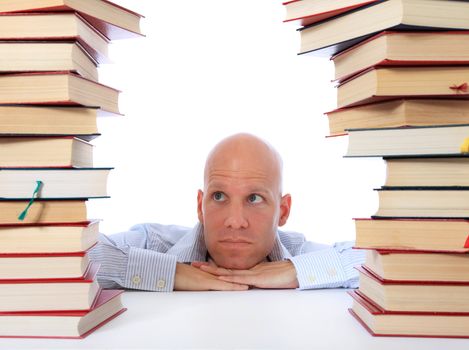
285,206
200,198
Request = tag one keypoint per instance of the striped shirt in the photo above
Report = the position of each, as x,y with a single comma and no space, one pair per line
145,258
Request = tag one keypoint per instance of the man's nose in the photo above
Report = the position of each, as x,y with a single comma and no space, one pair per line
236,217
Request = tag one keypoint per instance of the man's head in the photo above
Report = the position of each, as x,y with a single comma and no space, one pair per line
242,204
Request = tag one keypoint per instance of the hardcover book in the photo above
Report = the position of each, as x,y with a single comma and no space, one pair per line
380,322
442,235
48,238
338,33
388,48
62,324
114,21
57,88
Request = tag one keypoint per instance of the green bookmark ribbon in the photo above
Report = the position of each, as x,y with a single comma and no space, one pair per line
25,211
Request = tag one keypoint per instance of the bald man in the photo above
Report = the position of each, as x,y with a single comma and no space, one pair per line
236,244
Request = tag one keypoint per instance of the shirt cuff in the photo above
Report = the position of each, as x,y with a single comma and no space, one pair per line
150,270
328,268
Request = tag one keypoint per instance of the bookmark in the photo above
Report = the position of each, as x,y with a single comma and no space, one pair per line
465,146
25,211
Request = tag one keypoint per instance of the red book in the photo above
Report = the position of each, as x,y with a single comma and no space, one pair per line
380,322
57,88
55,26
49,294
44,239
391,48
388,83
415,296
44,266
62,324
306,12
114,21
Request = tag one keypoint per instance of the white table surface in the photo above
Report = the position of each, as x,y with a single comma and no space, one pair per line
255,319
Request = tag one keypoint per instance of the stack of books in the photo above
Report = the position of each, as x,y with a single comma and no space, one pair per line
50,99
402,69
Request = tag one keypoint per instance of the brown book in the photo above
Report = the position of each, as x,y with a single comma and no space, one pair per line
48,238
415,296
46,56
380,84
114,21
57,88
427,171
451,202
55,26
43,211
341,32
397,113
450,235
49,120
380,322
390,48
418,266
15,266
20,151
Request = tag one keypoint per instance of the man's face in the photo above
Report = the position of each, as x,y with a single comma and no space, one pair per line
241,209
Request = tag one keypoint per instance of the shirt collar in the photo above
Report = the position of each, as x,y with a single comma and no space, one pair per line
191,247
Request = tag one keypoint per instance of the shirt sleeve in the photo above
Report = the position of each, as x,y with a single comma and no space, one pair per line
126,262
329,267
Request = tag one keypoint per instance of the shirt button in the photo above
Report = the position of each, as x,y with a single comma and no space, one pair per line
160,284
136,279
312,278
332,272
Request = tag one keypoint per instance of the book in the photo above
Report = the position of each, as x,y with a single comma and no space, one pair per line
414,296
444,202
21,151
48,239
43,211
62,324
336,34
114,21
62,88
390,48
55,26
427,171
50,294
43,266
21,56
396,113
417,266
20,183
49,120
442,235
438,140
380,84
306,12
380,322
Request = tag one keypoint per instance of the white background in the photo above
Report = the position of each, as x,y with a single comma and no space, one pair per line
205,70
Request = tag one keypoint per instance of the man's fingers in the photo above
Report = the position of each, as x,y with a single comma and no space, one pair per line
219,271
226,286
250,280
198,263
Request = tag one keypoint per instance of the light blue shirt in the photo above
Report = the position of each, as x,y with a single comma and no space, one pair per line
145,258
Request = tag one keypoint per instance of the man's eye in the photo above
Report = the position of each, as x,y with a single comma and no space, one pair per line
218,196
255,198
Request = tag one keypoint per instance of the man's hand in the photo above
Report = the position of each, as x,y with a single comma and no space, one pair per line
279,274
191,278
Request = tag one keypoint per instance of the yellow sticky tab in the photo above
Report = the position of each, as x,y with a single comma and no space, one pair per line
465,146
